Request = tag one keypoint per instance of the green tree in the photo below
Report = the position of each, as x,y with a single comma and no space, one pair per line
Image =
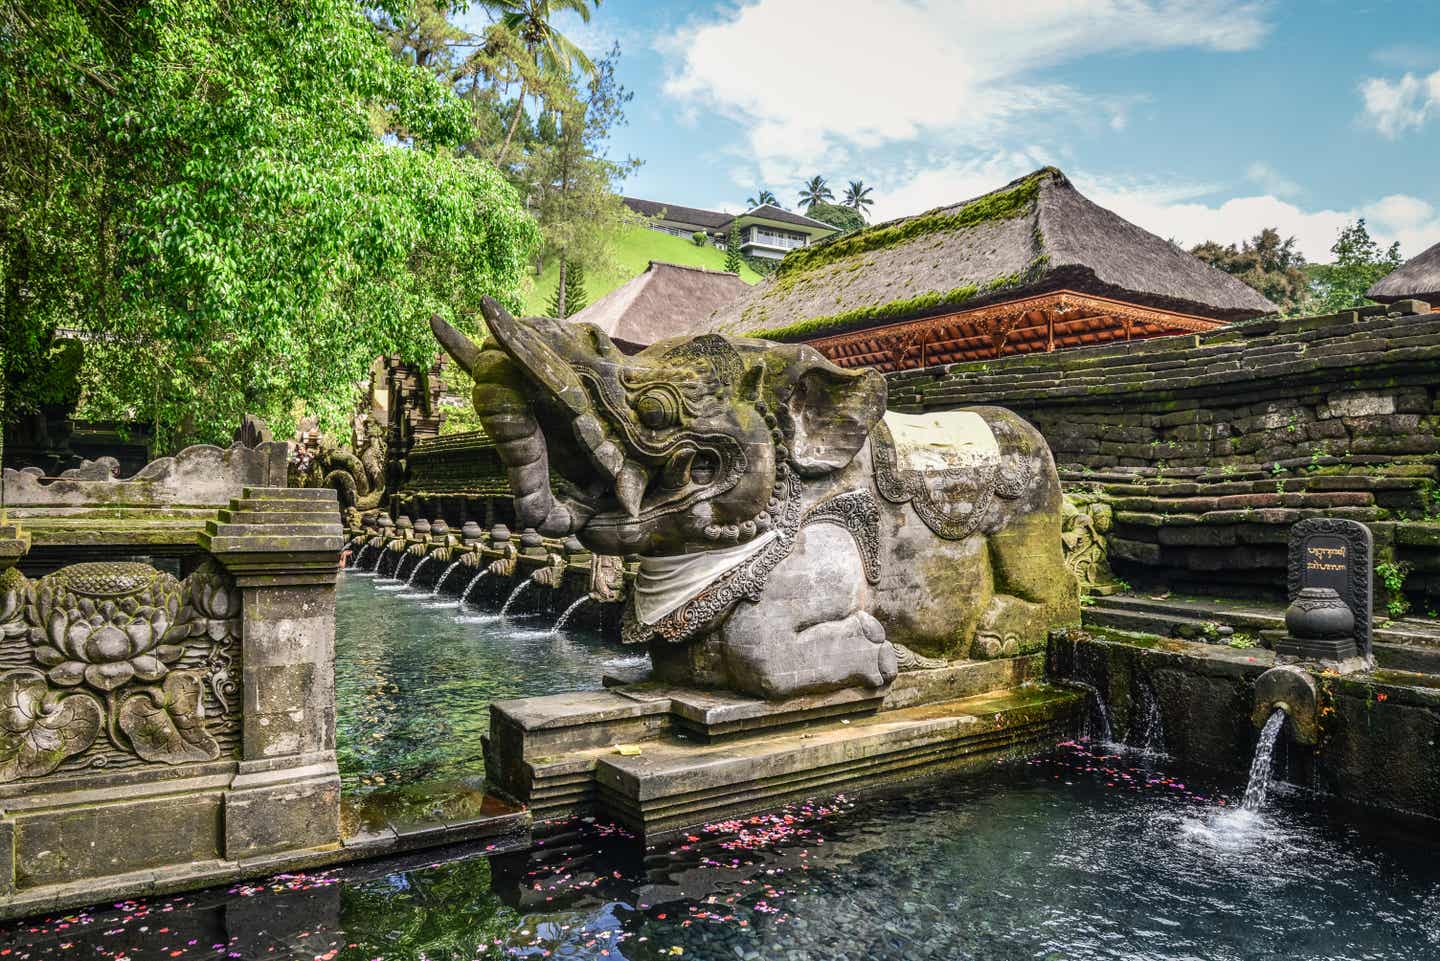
550,50
733,260
197,187
1359,262
761,198
569,297
857,197
815,191
1272,266
840,217
571,182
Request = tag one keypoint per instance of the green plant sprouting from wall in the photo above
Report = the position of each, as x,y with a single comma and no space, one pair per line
1392,577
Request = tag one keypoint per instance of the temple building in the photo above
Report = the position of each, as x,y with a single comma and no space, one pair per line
766,231
1033,266
667,300
1416,279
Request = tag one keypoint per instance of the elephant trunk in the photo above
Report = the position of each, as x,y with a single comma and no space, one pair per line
506,414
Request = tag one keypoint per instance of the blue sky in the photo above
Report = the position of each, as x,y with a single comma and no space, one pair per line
1197,119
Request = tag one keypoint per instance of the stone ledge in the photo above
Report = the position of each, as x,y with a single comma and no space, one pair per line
510,831
674,786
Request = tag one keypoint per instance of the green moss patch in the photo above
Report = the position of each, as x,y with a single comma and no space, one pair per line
1001,205
895,310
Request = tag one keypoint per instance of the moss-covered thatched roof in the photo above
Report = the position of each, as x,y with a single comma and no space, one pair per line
1418,277
1034,235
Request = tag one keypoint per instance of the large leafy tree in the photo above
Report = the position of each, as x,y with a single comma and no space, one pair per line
814,192
1273,266
197,189
1359,262
857,197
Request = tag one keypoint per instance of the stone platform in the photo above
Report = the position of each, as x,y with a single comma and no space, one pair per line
662,760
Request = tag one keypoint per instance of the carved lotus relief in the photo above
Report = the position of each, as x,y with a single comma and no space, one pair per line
110,640
104,624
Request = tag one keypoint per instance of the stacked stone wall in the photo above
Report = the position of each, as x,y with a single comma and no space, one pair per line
1208,447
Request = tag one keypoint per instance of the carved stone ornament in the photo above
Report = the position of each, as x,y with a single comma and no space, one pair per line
855,511
116,647
969,489
707,609
1347,567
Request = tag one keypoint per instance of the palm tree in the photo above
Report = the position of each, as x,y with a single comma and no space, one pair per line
815,192
857,197
761,198
551,51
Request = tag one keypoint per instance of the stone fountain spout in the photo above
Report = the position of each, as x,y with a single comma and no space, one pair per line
1292,690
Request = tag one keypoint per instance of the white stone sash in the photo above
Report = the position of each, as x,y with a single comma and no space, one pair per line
663,584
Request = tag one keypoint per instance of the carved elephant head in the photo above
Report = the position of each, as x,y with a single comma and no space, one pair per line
672,450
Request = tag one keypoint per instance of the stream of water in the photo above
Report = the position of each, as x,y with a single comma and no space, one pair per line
1263,762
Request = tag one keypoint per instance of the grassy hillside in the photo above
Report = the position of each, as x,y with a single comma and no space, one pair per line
634,250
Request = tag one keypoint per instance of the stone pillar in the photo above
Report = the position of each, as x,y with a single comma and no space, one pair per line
282,547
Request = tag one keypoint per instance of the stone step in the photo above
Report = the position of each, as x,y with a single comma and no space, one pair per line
1152,622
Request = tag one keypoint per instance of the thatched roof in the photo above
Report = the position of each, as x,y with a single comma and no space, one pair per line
1035,235
665,301
1418,278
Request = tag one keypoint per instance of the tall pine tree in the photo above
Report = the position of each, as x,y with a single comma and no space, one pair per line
569,297
732,251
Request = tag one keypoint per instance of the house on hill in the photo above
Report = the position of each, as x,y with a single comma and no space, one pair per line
766,231
1416,279
667,300
1033,266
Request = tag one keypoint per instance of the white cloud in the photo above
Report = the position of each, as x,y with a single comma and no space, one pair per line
958,67
1395,106
1173,209
1269,179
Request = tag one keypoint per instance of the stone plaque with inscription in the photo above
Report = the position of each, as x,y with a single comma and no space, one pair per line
1331,564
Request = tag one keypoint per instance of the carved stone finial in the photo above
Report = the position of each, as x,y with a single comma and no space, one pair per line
470,532
252,432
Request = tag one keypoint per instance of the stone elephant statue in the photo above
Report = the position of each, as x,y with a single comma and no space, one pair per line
793,537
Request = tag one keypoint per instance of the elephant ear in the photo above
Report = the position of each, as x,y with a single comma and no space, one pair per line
826,413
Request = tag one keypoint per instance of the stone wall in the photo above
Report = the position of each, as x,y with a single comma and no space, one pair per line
1374,734
174,725
458,477
1208,447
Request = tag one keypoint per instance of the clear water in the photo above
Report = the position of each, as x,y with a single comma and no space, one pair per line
414,680
1078,855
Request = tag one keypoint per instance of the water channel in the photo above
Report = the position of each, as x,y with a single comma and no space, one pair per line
1083,853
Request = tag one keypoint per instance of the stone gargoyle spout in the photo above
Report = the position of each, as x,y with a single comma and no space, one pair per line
794,537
